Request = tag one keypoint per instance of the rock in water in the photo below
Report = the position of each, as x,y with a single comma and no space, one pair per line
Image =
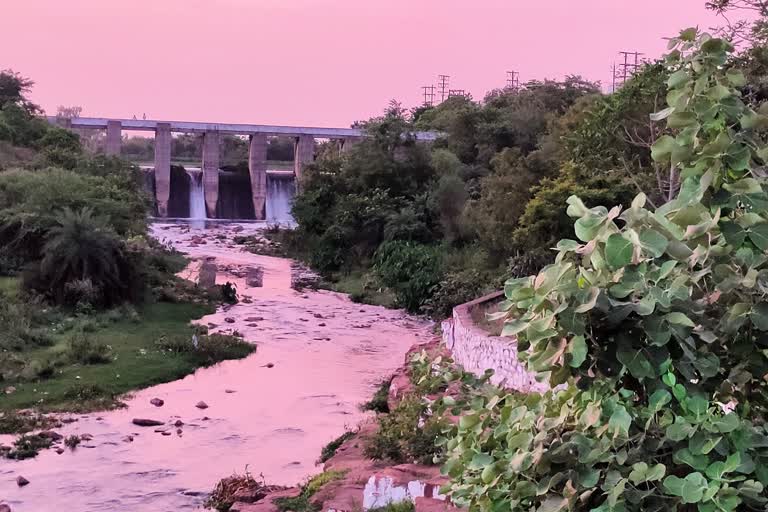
21,481
5,508
157,402
207,277
143,422
201,405
254,277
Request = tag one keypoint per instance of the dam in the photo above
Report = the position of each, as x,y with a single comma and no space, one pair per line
211,180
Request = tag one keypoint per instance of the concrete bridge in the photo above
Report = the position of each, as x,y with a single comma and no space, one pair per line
304,143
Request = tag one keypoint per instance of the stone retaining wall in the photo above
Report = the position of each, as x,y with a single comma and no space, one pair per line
476,350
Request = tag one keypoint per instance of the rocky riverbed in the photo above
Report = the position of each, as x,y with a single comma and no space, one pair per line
319,356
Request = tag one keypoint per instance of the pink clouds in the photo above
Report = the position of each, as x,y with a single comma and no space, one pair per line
313,62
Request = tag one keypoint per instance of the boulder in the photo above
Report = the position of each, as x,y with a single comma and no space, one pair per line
254,319
21,481
50,434
207,277
157,402
432,505
254,277
178,423
144,422
201,405
229,320
5,508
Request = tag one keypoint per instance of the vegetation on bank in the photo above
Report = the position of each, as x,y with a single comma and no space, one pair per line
90,306
656,319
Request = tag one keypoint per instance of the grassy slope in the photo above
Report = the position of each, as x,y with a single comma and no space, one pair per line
136,361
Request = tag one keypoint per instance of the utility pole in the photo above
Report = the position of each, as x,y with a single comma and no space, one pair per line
443,86
429,95
513,80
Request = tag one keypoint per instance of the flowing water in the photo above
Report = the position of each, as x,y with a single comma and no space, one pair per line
196,194
328,355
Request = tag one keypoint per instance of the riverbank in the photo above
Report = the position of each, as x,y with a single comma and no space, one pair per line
319,356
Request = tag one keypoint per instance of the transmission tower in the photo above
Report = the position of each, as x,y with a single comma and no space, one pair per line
513,80
443,86
429,95
624,71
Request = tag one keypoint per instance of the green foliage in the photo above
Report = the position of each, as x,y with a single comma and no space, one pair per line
329,450
207,349
656,319
303,502
406,434
229,293
402,506
82,349
72,441
410,270
379,402
27,446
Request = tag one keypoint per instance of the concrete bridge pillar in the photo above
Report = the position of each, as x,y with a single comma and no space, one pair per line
304,153
346,144
211,171
163,167
257,166
114,138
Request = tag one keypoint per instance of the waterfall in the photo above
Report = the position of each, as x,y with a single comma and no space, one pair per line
196,194
280,191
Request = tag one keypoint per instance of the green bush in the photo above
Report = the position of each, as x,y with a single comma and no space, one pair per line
656,318
379,402
406,434
329,450
83,349
207,350
27,446
410,270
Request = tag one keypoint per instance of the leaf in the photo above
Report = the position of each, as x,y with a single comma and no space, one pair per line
653,242
480,460
662,114
680,430
618,251
733,233
678,318
659,399
677,79
642,473
662,148
735,77
578,350
620,421
553,504
758,234
690,489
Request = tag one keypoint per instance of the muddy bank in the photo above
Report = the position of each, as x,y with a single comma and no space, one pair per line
327,356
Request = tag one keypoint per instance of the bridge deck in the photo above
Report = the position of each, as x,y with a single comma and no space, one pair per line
229,128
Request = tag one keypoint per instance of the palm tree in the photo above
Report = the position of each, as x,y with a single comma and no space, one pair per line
81,247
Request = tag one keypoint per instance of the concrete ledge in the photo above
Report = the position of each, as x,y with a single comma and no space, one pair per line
476,350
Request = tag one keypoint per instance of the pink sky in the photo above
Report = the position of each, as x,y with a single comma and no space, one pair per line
312,62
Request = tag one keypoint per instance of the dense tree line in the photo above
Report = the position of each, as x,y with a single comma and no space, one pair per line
486,201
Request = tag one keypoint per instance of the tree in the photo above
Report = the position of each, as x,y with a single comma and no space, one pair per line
81,249
13,91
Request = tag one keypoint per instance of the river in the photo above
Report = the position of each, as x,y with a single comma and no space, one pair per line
329,354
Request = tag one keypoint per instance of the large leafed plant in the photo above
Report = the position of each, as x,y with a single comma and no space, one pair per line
658,322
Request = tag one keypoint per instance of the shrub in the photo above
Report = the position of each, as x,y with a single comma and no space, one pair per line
223,496
329,450
406,434
87,392
303,502
207,350
657,319
410,270
72,441
27,446
83,349
379,402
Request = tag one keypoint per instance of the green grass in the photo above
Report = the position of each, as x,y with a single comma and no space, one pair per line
402,506
329,450
303,502
136,361
354,284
